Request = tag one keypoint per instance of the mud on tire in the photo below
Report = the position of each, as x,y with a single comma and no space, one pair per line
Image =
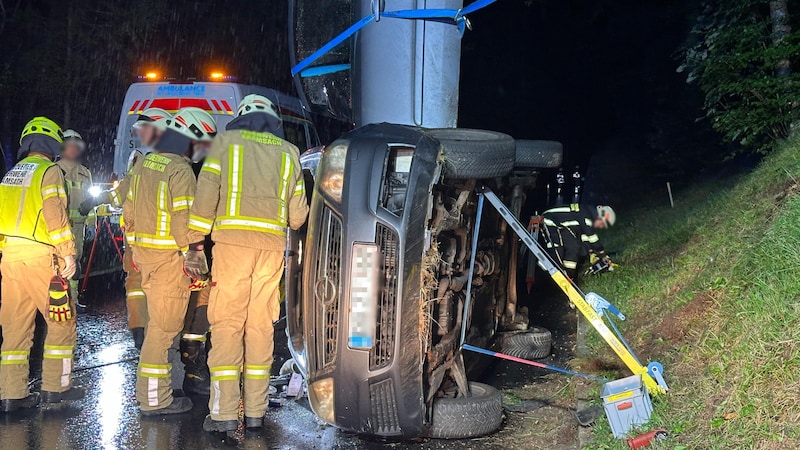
533,343
468,417
538,154
475,153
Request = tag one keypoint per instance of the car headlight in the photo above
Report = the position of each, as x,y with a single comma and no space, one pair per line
320,395
330,178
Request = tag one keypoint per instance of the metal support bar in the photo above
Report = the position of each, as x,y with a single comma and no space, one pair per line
567,286
468,297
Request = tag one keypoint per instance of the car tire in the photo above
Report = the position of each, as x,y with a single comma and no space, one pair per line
468,417
533,343
475,153
531,154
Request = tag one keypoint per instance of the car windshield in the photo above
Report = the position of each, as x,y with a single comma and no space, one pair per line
326,84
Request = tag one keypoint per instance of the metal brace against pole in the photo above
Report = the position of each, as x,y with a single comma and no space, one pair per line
566,285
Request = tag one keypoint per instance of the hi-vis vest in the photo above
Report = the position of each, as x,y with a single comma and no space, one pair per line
22,197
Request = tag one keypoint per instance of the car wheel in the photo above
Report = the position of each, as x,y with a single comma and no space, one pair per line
539,154
475,153
468,417
533,343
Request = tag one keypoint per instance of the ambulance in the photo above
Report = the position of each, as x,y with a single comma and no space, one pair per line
219,96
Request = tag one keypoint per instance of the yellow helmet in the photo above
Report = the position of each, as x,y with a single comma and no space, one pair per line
42,125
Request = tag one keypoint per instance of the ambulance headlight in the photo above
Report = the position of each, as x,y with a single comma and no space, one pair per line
320,396
330,175
95,190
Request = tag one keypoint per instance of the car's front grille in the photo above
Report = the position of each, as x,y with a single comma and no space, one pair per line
381,353
328,287
383,408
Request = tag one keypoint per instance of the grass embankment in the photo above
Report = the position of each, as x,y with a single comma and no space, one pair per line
711,289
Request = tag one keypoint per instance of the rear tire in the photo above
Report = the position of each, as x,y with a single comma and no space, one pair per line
475,153
468,417
533,343
539,154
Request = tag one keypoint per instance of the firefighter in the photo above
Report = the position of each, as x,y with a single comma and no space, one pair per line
156,213
146,131
79,180
195,332
38,244
249,190
569,233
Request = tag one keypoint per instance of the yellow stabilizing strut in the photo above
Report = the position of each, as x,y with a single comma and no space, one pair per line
566,285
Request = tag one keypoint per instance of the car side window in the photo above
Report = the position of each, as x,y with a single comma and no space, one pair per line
296,134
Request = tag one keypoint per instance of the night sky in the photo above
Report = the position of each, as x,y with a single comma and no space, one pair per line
598,75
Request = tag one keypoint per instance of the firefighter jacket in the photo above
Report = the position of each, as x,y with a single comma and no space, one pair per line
79,180
249,190
574,222
156,209
116,196
33,205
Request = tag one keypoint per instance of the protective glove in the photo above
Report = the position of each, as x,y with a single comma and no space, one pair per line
87,206
198,284
59,309
195,265
70,267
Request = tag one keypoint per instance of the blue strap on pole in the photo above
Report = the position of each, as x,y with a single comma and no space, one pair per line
532,363
456,16
468,297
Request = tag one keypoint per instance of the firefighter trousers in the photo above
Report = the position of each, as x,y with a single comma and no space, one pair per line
244,303
27,270
166,288
135,299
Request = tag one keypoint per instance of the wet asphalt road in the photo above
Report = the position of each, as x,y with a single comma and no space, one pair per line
108,417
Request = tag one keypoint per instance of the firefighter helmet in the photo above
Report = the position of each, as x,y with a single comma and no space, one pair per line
71,135
258,103
193,123
607,215
150,115
42,125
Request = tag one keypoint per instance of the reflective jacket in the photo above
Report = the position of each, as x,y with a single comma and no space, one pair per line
156,209
575,222
116,196
249,190
33,205
79,180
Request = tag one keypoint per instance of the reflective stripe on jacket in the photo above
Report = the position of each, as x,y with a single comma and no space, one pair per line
79,180
249,191
33,202
575,222
156,210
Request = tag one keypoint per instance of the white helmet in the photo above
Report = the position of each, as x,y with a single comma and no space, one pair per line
72,136
258,103
193,123
607,215
150,115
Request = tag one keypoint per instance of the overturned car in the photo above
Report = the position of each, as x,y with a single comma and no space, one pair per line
377,282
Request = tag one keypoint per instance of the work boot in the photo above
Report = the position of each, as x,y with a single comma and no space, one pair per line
253,423
219,426
197,379
13,404
179,405
138,337
74,393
